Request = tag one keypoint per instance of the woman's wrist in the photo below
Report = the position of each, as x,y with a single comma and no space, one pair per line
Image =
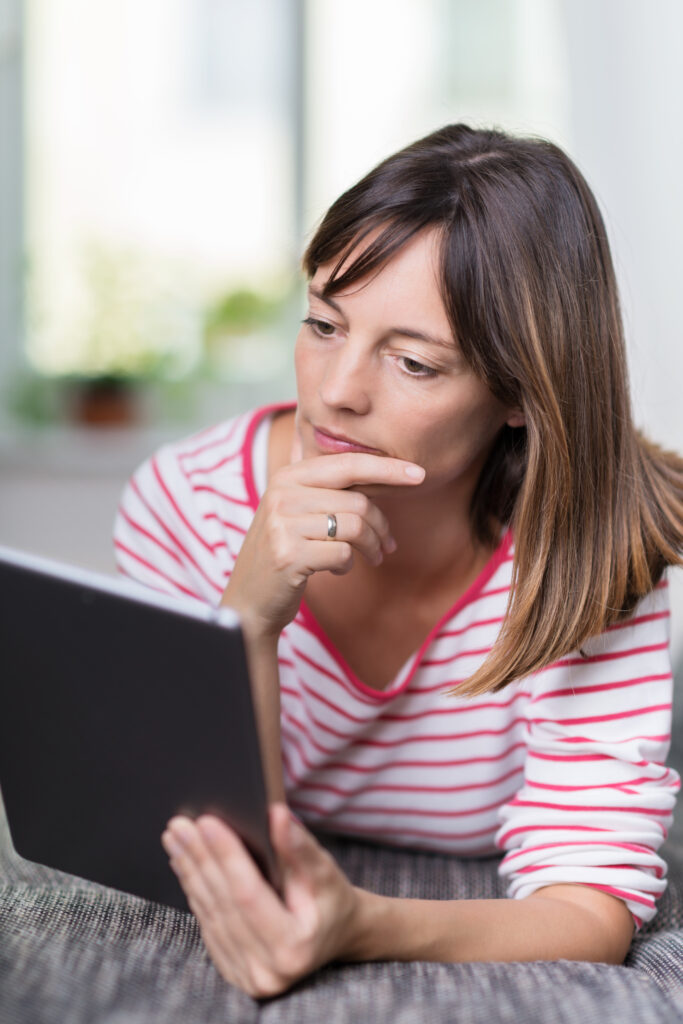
257,631
368,927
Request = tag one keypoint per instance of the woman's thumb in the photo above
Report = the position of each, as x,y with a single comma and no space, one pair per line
292,841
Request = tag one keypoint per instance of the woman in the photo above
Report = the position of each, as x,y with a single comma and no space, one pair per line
480,535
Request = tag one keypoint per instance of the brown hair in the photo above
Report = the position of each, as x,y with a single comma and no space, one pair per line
529,287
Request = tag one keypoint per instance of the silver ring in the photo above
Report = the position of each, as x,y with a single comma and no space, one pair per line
331,526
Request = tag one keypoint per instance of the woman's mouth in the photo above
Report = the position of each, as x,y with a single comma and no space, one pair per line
333,443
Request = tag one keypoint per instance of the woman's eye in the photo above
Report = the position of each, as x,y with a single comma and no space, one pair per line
320,327
416,369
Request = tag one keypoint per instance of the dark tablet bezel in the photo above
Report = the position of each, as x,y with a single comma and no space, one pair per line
119,708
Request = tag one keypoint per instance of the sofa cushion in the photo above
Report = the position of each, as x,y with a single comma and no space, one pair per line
72,952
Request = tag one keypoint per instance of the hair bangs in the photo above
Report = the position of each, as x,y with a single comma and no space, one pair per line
372,257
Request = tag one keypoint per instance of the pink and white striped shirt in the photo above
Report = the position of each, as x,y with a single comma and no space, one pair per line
563,770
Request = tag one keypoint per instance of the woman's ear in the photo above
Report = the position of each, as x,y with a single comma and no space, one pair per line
516,419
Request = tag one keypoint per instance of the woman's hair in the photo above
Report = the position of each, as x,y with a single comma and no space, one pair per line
529,287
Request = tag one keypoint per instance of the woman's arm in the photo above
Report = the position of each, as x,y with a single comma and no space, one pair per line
568,922
286,543
264,944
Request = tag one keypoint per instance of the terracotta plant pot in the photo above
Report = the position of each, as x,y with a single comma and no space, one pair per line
104,402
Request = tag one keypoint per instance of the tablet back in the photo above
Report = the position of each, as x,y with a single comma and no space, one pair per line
120,707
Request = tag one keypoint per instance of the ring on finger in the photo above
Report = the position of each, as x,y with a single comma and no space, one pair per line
331,526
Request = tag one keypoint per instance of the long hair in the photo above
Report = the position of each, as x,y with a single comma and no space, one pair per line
530,291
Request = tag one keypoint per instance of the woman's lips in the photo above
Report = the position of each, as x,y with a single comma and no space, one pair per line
333,443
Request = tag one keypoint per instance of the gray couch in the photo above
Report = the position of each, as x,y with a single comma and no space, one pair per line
75,953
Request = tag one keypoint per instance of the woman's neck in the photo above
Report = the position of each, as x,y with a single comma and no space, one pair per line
433,534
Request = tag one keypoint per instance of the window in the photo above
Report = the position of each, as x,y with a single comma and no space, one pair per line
177,151
160,178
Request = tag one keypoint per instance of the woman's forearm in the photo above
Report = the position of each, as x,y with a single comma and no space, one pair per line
559,922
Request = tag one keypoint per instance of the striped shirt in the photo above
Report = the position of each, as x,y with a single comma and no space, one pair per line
564,771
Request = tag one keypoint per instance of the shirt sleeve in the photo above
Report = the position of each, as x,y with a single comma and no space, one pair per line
597,798
164,537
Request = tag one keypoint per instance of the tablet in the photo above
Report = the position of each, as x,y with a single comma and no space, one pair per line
120,707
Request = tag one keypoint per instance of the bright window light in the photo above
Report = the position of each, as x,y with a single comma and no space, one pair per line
159,154
172,163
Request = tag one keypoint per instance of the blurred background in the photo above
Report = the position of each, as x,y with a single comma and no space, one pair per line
163,162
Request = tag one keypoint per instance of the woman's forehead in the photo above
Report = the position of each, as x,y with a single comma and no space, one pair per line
416,262
403,295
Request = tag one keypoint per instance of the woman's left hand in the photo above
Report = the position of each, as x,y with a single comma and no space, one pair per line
259,942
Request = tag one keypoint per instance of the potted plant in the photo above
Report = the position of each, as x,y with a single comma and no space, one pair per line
133,331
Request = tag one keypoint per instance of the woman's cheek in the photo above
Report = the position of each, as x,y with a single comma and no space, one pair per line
305,365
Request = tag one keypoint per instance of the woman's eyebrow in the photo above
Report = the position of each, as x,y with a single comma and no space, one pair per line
406,332
324,298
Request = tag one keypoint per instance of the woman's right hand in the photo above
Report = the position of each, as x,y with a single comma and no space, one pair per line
287,541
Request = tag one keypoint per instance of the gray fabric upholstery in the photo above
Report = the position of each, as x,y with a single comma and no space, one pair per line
74,953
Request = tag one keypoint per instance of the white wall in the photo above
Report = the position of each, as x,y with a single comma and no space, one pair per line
626,124
67,518
59,492
626,89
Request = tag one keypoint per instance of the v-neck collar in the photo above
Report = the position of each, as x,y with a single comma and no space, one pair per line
403,677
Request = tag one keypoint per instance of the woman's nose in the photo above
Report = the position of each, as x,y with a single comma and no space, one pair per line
347,380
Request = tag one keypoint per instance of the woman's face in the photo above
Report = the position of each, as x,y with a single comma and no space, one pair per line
377,367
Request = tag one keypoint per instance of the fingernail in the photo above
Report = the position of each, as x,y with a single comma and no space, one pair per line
181,829
171,845
210,830
177,822
390,545
414,472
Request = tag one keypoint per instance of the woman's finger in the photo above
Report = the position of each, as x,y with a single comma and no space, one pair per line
252,895
320,502
195,867
299,850
230,876
244,934
322,556
196,855
188,867
348,527
352,469
221,894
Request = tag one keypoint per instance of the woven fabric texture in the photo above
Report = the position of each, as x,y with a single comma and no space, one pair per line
75,953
